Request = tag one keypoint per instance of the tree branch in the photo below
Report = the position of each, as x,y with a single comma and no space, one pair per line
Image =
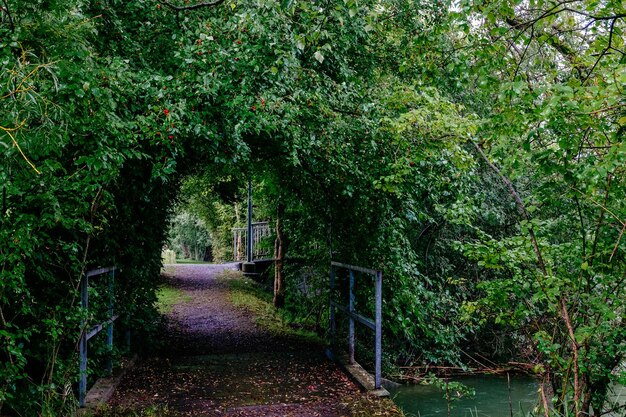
604,51
560,46
619,239
590,16
572,335
347,112
194,6
565,50
520,206
6,8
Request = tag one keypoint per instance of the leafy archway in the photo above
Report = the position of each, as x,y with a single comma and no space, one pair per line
456,145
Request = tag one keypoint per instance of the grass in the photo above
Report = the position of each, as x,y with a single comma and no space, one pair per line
190,261
368,406
168,269
250,296
168,297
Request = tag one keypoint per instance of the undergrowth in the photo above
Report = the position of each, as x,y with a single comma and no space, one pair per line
369,406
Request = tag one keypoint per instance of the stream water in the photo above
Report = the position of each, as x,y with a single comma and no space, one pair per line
491,398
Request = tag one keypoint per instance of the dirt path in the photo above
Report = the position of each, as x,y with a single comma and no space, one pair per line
218,362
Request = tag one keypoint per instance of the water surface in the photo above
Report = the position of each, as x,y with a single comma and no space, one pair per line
491,398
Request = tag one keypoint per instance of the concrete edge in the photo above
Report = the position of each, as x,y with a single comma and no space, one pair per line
102,391
356,372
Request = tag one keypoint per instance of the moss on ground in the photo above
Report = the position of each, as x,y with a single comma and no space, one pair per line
168,297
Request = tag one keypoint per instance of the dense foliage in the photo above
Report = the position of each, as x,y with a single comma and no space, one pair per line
189,237
472,150
82,187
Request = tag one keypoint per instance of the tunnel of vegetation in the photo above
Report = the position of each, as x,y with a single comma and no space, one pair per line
472,150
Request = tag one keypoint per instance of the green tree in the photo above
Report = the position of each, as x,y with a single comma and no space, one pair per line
546,79
189,236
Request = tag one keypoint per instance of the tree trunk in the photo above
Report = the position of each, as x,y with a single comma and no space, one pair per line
238,254
279,257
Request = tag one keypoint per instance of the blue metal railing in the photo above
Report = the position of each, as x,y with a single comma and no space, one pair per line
87,334
375,325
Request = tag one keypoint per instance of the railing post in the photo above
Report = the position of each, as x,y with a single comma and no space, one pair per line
379,330
110,326
353,315
332,307
351,320
254,230
82,347
249,237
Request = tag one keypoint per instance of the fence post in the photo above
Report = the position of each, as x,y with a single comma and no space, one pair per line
110,326
249,253
379,330
82,348
351,319
332,307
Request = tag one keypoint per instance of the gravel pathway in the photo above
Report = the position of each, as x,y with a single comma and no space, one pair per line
218,362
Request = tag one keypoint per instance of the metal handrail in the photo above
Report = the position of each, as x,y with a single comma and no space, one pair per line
88,334
260,230
375,325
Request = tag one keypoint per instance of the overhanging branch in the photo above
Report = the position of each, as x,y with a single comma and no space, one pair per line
6,9
569,53
194,6
520,206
